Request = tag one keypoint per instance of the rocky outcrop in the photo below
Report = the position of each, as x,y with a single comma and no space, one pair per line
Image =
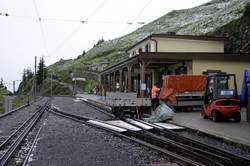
238,33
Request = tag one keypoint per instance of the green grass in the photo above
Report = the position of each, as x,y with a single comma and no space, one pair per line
87,85
57,89
19,101
3,92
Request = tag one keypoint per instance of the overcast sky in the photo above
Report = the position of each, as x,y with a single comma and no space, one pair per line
59,33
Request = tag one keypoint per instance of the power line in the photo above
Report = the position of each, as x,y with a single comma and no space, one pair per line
41,27
97,9
73,33
43,19
83,22
135,18
4,14
44,37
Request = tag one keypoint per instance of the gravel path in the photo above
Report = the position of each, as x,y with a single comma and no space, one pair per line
10,122
78,107
65,142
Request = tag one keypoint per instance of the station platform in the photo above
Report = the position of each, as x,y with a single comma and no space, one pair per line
228,130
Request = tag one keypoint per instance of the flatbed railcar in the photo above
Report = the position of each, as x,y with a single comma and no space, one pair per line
127,103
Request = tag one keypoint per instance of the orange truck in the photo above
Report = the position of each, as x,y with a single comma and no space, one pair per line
184,91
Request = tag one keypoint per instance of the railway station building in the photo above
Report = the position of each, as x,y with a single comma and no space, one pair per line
169,54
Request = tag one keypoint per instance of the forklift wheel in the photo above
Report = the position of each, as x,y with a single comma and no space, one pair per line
215,116
237,117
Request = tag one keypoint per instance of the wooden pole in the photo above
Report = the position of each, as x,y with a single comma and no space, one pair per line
120,80
129,78
143,85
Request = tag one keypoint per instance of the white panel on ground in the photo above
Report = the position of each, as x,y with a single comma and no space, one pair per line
123,124
150,124
139,124
169,126
108,126
77,100
84,99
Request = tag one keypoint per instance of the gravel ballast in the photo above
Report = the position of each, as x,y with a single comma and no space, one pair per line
78,107
65,142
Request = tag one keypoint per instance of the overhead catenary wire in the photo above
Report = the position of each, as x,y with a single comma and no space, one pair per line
73,33
48,19
135,18
78,28
97,9
41,28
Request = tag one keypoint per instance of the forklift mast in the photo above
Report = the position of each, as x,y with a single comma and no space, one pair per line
220,86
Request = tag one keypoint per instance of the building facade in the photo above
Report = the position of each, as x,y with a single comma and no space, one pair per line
169,54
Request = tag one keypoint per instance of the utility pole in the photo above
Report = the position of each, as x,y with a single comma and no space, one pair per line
14,87
35,81
51,85
43,69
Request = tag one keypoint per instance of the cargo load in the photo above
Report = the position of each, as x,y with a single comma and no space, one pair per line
184,90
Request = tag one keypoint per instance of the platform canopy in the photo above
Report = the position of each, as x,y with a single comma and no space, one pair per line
138,68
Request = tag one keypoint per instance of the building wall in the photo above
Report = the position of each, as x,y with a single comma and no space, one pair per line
142,46
188,45
230,67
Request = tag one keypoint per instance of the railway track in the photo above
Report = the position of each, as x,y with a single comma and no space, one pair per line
216,154
221,155
180,149
12,143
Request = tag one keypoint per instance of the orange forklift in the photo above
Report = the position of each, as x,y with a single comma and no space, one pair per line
221,98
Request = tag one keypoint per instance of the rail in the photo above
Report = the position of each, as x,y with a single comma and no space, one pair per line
132,136
10,145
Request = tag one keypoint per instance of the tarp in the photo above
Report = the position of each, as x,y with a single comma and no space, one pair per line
244,94
173,84
163,112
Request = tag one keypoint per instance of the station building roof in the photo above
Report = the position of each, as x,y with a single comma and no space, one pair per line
177,36
175,57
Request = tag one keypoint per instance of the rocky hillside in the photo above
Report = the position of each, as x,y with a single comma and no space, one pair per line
238,33
200,20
